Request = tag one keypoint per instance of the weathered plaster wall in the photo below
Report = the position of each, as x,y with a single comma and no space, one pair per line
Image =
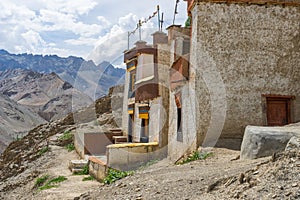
154,119
163,60
187,142
125,115
241,52
180,145
79,143
136,135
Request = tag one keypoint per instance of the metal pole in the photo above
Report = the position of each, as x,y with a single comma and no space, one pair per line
162,21
140,30
128,40
158,17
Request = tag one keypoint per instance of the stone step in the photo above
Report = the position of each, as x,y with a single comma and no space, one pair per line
120,139
77,164
116,130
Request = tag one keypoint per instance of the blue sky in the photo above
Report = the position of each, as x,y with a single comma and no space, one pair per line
92,29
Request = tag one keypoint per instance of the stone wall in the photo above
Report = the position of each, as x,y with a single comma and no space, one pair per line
97,168
240,52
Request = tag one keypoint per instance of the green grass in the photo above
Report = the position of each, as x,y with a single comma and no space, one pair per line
42,183
84,171
70,147
195,156
89,178
57,180
66,136
43,150
114,175
45,187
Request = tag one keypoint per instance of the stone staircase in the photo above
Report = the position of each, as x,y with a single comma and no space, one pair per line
119,138
77,165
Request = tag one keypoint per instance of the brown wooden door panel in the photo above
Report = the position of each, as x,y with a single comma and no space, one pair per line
278,112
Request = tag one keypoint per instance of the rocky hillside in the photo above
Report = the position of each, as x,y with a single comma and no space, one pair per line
20,155
46,94
93,80
15,121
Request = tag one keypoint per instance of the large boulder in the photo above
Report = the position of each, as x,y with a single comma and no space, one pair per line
264,141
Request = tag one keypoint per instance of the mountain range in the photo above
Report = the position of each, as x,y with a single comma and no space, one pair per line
15,121
45,94
35,89
93,80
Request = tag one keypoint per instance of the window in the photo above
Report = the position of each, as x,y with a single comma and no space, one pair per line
132,84
179,117
132,81
130,127
145,131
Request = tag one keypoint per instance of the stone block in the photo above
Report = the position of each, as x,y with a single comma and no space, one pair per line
264,141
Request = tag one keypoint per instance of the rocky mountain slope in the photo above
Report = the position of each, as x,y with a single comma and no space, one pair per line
20,156
15,121
46,94
93,80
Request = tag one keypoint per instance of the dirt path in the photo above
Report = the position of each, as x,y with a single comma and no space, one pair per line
54,164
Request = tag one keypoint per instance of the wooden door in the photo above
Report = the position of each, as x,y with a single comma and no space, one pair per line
278,111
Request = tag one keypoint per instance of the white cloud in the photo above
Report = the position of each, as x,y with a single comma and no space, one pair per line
77,7
111,46
82,41
103,21
68,27
33,39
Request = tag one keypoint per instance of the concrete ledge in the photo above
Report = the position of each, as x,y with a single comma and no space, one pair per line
125,145
130,156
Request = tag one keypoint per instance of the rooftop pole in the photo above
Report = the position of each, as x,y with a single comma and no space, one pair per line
140,30
158,17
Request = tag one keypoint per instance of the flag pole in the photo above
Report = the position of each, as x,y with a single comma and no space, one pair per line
158,17
140,30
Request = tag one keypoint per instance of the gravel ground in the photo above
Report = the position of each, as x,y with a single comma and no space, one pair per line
165,180
221,176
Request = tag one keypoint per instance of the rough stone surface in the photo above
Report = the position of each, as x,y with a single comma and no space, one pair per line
264,141
293,143
238,53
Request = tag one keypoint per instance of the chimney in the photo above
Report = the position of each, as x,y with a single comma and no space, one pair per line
140,44
159,38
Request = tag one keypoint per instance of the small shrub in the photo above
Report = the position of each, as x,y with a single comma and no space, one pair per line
89,178
187,23
84,171
43,150
114,175
45,187
51,183
195,156
66,136
70,147
40,181
57,180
